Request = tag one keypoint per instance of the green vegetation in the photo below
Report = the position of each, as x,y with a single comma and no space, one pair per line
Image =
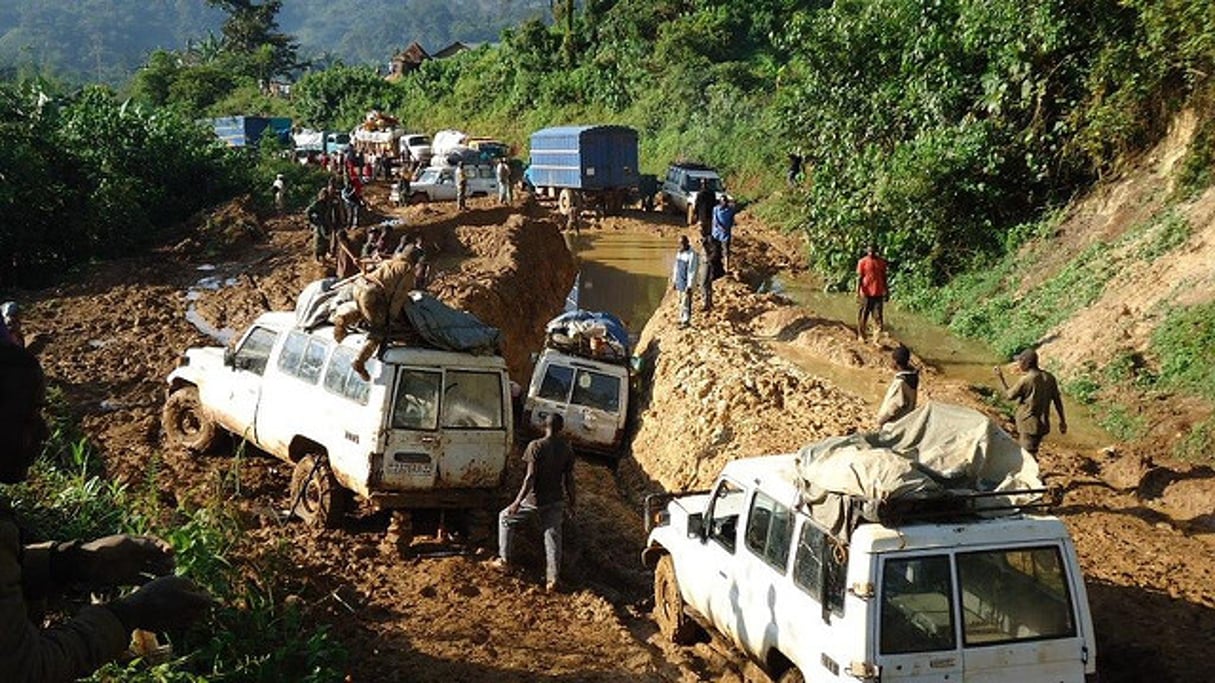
257,634
1185,344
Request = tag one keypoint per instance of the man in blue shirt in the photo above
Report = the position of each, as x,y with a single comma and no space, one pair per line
723,229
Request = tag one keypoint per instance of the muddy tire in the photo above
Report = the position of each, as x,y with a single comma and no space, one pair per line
565,201
419,198
185,422
792,675
316,496
673,621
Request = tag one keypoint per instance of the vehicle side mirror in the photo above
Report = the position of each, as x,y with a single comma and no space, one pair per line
696,526
229,357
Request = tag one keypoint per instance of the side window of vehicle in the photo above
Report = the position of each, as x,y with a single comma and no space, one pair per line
596,390
341,379
313,360
557,382
255,351
293,352
472,400
416,405
770,531
820,567
728,501
916,605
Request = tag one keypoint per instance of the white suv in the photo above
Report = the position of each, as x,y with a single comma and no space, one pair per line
430,430
952,599
438,183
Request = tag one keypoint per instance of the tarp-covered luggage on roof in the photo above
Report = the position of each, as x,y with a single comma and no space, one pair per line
573,332
935,454
444,327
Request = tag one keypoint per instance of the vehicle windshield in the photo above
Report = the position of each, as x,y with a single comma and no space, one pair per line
417,140
430,175
596,390
340,138
692,183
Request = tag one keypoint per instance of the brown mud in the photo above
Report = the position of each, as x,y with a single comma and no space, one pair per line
756,375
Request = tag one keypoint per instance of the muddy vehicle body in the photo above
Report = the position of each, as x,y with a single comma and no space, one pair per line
431,430
961,598
583,374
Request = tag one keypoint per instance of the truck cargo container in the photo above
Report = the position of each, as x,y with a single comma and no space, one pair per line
581,165
247,131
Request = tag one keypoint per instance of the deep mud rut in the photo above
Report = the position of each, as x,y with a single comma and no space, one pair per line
757,375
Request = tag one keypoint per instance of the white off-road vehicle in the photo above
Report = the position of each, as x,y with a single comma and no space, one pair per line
583,375
941,585
431,430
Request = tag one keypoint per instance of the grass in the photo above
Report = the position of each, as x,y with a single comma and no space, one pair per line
255,635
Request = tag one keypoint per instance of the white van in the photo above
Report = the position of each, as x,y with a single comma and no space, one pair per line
432,428
591,395
946,598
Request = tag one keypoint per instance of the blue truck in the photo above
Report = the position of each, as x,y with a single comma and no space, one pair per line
247,131
585,166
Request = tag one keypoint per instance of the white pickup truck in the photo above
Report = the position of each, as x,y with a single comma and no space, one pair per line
431,430
947,599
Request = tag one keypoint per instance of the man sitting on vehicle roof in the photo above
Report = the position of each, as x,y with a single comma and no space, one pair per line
380,298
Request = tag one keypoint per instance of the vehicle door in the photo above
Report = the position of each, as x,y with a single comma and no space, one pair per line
762,566
916,637
285,409
1019,619
549,393
444,188
593,414
350,428
233,399
413,446
716,590
472,431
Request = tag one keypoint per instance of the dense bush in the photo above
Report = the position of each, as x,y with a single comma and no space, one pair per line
87,176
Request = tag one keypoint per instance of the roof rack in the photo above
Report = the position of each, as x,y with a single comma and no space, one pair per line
959,504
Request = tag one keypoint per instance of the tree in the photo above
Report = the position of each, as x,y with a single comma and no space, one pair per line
251,35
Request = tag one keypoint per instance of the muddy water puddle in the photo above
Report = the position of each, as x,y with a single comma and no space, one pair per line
961,360
625,273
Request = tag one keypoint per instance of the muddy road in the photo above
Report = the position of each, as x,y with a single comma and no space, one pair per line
757,375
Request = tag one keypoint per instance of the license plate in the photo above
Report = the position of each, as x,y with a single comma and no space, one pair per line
410,469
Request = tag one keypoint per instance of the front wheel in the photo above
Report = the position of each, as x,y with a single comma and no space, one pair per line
316,496
673,621
185,422
792,675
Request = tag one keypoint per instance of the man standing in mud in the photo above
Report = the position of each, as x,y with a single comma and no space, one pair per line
549,480
1035,393
723,231
683,278
32,572
871,292
320,214
461,177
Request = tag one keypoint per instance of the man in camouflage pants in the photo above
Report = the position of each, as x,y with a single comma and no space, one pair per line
380,298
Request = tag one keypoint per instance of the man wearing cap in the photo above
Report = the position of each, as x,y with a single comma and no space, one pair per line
1034,393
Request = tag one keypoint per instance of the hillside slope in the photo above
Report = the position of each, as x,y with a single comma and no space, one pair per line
1116,292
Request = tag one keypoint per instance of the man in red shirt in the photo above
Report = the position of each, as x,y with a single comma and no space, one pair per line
871,291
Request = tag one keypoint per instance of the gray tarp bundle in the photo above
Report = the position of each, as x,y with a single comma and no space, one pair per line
439,325
935,454
443,327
